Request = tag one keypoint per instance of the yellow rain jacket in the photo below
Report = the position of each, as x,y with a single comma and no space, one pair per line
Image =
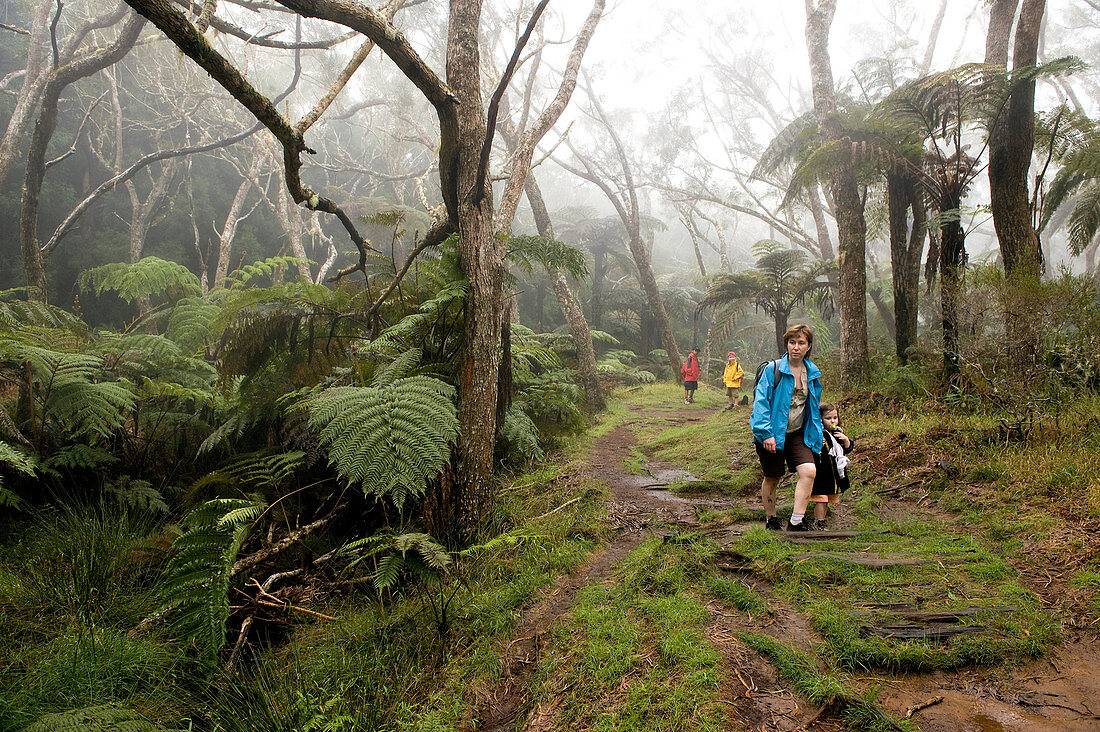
733,374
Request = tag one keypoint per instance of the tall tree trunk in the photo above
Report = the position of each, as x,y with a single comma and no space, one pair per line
34,260
233,220
570,308
482,261
30,93
906,246
851,227
599,279
952,253
1011,144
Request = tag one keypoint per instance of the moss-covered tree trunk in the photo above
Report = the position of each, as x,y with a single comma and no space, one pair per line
847,204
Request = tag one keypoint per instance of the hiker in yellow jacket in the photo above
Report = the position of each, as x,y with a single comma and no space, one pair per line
732,377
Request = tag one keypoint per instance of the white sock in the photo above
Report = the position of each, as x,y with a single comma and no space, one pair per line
796,518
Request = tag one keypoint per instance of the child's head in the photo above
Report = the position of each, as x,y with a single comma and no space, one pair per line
731,356
830,417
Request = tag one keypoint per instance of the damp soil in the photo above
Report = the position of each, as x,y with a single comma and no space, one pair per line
1060,692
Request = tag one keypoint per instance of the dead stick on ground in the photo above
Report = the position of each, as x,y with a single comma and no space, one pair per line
558,508
917,707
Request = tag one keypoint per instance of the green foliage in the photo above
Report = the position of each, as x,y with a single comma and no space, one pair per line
73,398
18,314
197,582
552,255
417,554
101,718
272,268
521,436
146,278
15,460
390,437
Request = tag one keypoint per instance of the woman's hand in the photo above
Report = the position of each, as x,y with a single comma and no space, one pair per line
769,444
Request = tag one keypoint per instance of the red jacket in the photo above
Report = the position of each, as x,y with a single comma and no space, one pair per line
690,370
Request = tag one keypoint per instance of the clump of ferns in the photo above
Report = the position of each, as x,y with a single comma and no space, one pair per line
387,438
416,563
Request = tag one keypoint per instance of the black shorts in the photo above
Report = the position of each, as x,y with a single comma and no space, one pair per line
691,385
795,452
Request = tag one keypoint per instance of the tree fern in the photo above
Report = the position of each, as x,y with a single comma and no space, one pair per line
521,436
72,397
390,438
13,460
148,277
103,718
414,552
199,574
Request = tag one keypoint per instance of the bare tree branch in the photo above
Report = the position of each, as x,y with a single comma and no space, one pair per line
494,102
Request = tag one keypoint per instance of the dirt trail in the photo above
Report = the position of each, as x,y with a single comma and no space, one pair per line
1058,693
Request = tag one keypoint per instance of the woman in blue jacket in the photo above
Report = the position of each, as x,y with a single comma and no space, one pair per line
786,425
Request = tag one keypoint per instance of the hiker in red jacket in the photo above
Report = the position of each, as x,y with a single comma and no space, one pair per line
690,370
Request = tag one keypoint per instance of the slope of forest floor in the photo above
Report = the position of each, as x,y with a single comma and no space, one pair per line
955,590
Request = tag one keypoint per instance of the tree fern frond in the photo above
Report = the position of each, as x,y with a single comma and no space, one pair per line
521,435
272,268
139,494
1084,219
396,369
148,277
199,575
550,254
392,439
18,314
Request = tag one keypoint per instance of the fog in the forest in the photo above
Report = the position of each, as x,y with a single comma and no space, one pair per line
695,90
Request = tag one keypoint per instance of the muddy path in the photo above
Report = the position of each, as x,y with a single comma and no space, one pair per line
1058,692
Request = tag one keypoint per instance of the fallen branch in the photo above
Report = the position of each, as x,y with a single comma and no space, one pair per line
548,513
923,705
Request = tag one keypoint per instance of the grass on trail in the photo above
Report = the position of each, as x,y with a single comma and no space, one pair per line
970,570
632,656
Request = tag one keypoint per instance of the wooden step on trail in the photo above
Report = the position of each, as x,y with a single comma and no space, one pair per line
875,561
808,537
913,631
934,616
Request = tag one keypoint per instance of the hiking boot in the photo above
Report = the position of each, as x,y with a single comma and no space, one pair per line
804,526
771,523
687,401
819,525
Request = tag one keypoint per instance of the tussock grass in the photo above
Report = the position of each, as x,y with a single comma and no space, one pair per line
822,688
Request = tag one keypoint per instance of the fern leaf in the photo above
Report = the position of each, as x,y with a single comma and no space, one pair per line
148,277
392,439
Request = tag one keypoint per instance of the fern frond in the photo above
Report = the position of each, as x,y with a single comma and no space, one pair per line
392,439
397,368
272,268
199,575
521,435
1084,219
139,494
18,314
148,277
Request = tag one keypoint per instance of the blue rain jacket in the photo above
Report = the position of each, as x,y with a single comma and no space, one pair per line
771,407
